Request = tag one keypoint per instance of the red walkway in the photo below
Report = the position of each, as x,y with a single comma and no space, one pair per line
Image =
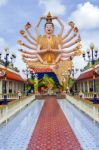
52,131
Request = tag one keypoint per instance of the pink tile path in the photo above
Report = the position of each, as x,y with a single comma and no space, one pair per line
52,131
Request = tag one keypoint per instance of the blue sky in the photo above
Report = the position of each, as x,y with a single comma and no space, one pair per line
14,14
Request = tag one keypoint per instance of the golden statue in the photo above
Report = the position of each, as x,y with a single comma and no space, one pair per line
49,49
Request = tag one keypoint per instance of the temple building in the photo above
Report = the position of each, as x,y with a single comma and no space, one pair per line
14,81
84,82
53,108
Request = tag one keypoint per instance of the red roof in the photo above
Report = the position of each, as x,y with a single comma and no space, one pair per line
13,76
87,75
41,70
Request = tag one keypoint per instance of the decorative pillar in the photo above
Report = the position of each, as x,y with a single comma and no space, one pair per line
83,86
88,86
7,87
64,84
1,88
16,88
21,85
80,84
13,87
36,84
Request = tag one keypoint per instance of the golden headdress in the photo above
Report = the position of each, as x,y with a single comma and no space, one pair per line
49,18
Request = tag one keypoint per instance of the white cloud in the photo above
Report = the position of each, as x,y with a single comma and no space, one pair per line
86,16
90,37
3,44
3,2
54,6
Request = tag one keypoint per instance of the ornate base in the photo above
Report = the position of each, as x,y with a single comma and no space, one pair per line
58,69
42,97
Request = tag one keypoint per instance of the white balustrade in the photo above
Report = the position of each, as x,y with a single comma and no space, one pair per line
90,109
90,95
9,110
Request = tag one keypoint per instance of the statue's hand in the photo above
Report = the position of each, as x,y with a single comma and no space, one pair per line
72,24
20,50
27,26
55,17
79,39
23,55
76,30
42,18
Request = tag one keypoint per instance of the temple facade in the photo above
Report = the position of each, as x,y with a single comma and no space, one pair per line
14,82
84,82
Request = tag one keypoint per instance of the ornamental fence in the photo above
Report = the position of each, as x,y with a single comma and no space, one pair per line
90,95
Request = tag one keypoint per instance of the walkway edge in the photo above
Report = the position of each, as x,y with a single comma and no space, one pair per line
7,113
89,110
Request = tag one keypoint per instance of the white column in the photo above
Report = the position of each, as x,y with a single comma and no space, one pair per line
87,85
22,86
84,86
7,86
1,88
80,86
15,86
12,87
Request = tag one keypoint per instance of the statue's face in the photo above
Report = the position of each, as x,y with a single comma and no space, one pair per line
49,29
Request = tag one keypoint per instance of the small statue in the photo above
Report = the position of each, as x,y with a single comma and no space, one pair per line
49,48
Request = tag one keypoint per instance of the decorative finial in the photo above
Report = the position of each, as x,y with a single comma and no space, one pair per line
49,15
49,18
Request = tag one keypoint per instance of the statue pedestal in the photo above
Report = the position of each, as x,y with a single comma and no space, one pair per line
43,96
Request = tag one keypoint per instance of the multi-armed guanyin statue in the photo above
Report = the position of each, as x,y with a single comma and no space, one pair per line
50,49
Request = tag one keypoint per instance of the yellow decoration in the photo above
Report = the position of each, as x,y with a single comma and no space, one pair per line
51,43
78,52
22,32
49,15
49,59
20,42
79,45
47,47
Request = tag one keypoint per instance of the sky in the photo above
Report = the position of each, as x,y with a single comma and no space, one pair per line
14,14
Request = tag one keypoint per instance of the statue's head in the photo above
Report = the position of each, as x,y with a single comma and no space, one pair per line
49,28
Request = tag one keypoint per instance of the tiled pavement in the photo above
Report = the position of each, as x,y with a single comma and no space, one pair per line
52,131
16,134
85,129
